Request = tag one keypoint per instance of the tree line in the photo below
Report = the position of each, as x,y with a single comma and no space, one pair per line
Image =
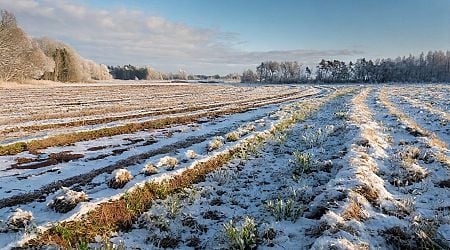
24,58
130,72
431,67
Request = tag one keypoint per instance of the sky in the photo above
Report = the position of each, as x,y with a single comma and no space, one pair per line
209,36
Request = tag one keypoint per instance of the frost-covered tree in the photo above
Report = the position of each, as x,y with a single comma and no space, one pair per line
96,71
152,74
249,76
432,67
20,57
69,65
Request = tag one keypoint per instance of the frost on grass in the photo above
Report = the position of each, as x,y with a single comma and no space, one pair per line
243,237
285,209
232,136
216,143
247,129
328,242
303,162
168,162
420,233
261,122
222,176
149,169
19,220
191,154
67,200
410,171
119,178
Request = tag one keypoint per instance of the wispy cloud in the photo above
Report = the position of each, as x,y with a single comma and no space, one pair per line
123,35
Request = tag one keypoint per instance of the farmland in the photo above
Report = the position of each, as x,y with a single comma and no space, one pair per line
225,166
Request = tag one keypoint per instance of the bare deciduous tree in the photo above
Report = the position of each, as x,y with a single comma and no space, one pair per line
249,76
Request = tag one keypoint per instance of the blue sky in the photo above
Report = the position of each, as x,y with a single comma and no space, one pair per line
381,27
225,36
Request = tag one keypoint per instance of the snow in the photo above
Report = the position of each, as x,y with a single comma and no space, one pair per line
191,154
149,169
119,178
19,219
359,183
168,162
67,199
231,193
97,189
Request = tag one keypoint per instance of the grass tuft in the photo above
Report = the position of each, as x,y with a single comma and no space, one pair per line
243,237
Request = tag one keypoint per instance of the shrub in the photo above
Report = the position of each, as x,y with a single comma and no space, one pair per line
119,178
69,66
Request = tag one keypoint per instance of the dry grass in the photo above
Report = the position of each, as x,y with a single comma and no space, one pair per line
408,161
149,169
52,159
354,211
215,143
30,84
70,138
19,220
413,128
232,136
67,201
119,178
164,111
369,192
443,158
168,162
428,107
116,215
120,214
67,139
421,234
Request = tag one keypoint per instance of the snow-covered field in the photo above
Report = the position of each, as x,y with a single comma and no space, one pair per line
289,167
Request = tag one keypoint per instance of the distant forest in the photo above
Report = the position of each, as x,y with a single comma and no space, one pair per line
131,72
432,67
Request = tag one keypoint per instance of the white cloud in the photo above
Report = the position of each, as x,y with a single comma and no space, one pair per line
123,36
